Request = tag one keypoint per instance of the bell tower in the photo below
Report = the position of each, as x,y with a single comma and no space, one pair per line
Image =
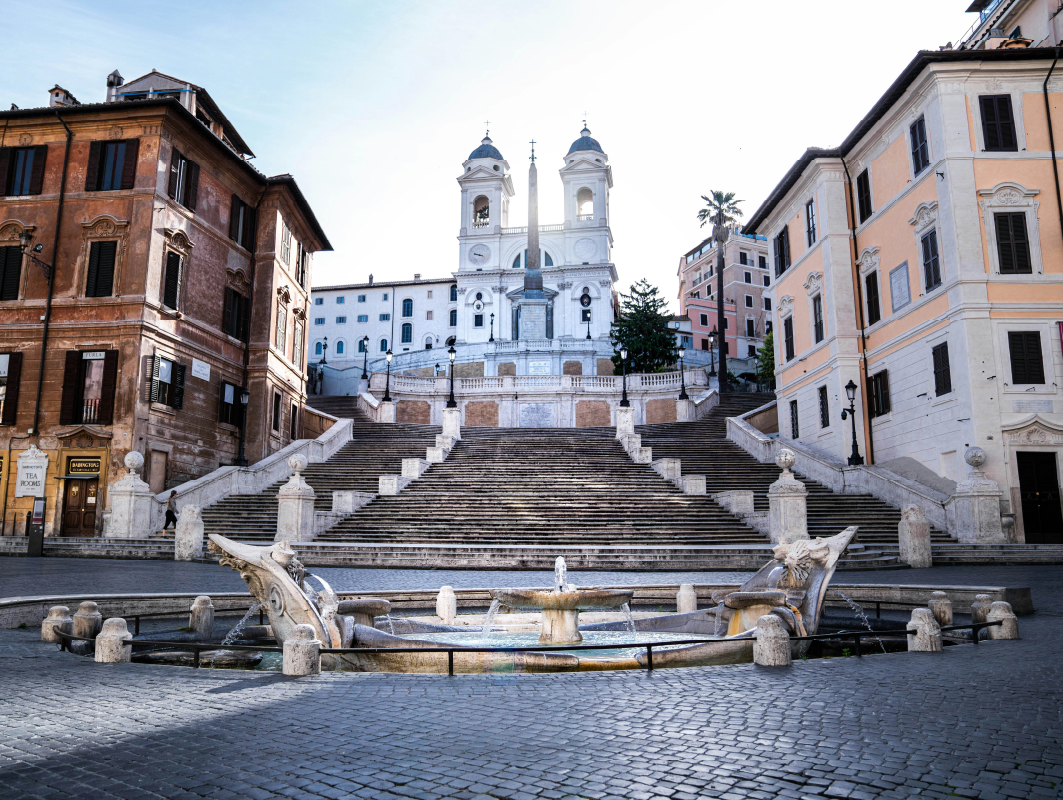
587,179
486,189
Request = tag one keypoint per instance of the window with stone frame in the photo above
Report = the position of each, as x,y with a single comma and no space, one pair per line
1027,360
22,170
824,408
99,281
942,372
920,146
879,400
788,338
183,185
280,335
10,272
931,261
111,165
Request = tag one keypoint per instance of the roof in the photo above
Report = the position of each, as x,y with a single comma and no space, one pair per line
585,142
382,284
300,200
923,59
486,150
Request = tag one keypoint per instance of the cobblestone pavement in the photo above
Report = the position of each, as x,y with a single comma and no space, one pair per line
972,721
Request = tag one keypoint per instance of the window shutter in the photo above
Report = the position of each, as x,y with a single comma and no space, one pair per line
251,229
1004,247
1030,345
221,402
227,311
990,133
14,371
40,155
884,392
178,385
5,169
193,187
1005,123
94,270
92,169
10,272
234,218
110,384
175,166
1020,244
786,246
154,397
172,281
129,166
105,277
71,372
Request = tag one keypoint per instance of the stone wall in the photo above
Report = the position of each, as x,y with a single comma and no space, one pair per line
766,421
471,369
592,414
507,368
314,423
481,414
660,410
572,368
605,366
418,411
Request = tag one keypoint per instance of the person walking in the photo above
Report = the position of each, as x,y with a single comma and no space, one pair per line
171,511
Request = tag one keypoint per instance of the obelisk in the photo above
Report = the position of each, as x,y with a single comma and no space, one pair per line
533,300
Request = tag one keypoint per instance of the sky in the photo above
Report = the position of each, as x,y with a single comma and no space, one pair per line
373,106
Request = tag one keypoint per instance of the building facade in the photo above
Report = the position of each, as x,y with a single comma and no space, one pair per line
179,277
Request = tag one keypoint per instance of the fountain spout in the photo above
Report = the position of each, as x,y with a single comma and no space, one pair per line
560,575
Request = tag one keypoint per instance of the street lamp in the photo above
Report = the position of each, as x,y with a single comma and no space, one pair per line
712,352
241,458
452,403
682,376
387,384
623,363
365,359
855,459
324,351
588,324
492,329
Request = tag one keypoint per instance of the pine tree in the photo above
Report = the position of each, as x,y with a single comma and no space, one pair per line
642,327
766,359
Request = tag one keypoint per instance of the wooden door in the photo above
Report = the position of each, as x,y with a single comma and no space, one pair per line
79,508
1042,516
157,471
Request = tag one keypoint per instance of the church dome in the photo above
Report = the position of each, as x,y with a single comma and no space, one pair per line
585,142
486,150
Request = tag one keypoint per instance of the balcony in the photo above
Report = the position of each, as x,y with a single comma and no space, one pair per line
90,411
481,223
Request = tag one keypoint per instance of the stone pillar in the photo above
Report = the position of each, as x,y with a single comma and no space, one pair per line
625,421
113,643
452,423
446,605
693,484
131,503
188,538
1002,611
787,501
302,652
88,620
924,634
941,608
201,617
913,533
414,467
391,484
295,506
771,648
386,411
686,601
979,608
974,508
58,619
684,410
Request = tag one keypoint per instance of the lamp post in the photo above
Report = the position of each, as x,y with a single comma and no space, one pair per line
365,359
324,351
682,375
452,403
588,324
623,364
492,338
387,384
855,459
241,458
712,353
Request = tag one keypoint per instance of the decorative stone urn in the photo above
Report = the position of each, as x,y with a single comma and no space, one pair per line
974,508
787,503
295,505
131,503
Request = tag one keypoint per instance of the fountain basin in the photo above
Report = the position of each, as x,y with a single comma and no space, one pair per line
577,600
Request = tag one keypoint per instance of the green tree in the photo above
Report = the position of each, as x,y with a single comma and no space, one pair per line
721,209
642,327
766,359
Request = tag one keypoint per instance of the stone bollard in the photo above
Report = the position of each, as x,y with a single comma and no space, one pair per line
88,620
201,617
131,502
941,607
447,605
980,607
58,619
772,645
188,537
113,643
924,634
686,601
302,652
295,505
452,423
1002,611
913,533
787,503
625,421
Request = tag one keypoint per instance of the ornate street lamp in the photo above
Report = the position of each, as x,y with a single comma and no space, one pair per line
365,358
682,376
492,327
623,363
241,458
452,403
387,385
712,352
324,351
855,459
24,240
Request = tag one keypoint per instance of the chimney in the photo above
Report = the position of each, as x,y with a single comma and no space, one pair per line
114,82
417,276
370,278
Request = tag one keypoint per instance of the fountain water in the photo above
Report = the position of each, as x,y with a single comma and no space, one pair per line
234,634
626,608
490,617
859,611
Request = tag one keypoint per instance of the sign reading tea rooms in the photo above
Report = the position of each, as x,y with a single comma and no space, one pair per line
32,470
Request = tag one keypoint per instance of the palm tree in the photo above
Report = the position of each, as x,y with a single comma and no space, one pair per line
721,208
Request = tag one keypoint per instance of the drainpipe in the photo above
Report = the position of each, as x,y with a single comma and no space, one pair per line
51,278
860,317
242,457
1052,140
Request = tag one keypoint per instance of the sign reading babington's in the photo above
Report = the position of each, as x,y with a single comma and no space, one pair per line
83,466
32,470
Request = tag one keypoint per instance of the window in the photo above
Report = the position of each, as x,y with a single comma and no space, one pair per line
383,345
453,317
429,294
167,382
725,323
111,165
242,223
920,150
705,320
276,412
89,381
751,328
585,315
454,293
293,422
302,266
478,321
385,317
407,333
286,243
704,344
319,301
817,318
782,251
479,295
767,326
317,349
810,222
319,320
749,301
184,180
931,262
282,327
762,262
1027,365
341,320
385,297
998,125
235,315
743,259
171,284
340,300
767,280
1013,246
100,280
361,345
795,428
229,407
428,315
767,304
751,351
10,272
428,343
749,277
863,194
788,337
942,373
363,318
361,298
874,313
880,394
339,347
23,169
297,344
407,308
824,408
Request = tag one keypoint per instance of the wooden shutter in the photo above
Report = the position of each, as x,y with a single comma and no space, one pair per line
243,304
234,218
94,270
105,277
221,402
178,377
71,372
175,166
227,311
990,132
1005,124
154,396
92,168
172,280
192,188
5,170
10,272
883,391
942,373
129,166
1020,244
14,372
40,155
250,228
110,384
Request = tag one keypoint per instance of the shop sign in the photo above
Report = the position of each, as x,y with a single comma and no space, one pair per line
83,466
32,470
93,355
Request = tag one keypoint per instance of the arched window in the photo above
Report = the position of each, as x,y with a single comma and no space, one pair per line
481,212
407,307
450,341
584,204
544,259
407,333
317,349
454,293
428,343
339,347
383,345
361,345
